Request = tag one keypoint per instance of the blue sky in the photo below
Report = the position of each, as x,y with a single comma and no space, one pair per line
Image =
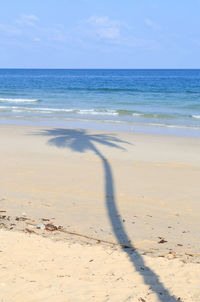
100,34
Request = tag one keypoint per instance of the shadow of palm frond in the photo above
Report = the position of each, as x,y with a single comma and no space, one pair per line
81,141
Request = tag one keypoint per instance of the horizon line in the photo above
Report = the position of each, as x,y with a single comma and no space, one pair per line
57,68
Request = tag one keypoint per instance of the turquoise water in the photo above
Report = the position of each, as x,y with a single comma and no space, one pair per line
168,98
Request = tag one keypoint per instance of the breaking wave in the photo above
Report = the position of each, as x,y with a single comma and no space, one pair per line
5,100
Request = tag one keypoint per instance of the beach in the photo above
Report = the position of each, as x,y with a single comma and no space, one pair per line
99,151
126,210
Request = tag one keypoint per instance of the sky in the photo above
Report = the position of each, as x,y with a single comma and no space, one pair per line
100,34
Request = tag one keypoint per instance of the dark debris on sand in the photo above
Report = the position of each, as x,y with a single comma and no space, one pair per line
47,228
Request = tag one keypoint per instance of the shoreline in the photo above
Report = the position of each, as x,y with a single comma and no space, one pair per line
159,129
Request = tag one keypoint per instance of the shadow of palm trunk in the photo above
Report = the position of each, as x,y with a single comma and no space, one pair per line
150,278
81,141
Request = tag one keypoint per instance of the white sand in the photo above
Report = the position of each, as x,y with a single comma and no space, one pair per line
145,192
36,269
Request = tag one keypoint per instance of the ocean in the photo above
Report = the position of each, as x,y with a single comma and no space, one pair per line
148,98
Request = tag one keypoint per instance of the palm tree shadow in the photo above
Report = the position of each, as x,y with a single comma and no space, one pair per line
81,141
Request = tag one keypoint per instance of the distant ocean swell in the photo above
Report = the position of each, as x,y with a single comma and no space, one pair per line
126,90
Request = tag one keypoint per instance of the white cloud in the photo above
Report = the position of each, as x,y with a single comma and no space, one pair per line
101,32
28,20
24,25
105,28
9,30
152,24
96,32
28,28
36,39
57,34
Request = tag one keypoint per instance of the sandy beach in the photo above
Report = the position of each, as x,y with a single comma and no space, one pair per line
126,210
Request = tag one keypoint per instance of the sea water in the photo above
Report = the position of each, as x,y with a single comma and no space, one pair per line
158,98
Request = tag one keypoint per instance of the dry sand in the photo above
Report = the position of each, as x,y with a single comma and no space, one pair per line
36,269
137,190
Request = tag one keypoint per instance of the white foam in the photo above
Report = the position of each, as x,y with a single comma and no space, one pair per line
17,110
173,126
49,110
5,100
36,109
52,109
97,112
137,114
196,116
